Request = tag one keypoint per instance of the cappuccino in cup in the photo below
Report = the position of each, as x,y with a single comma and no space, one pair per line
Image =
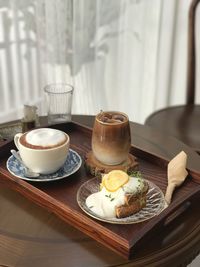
43,150
44,138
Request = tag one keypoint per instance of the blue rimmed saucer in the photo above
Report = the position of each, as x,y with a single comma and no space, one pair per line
71,165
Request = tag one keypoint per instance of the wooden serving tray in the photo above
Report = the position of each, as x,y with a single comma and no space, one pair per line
59,196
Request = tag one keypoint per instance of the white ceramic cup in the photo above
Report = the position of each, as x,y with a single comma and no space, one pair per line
44,161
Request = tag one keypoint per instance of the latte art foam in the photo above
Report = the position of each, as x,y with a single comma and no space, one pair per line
44,138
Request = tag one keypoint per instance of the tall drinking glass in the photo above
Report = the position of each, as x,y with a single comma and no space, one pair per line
111,139
59,98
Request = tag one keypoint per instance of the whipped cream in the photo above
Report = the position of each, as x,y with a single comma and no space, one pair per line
45,137
103,203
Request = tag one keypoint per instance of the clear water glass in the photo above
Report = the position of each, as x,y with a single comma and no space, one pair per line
59,98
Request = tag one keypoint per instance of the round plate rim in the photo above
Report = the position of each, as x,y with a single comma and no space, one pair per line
92,215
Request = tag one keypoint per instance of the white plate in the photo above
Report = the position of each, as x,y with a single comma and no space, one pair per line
71,165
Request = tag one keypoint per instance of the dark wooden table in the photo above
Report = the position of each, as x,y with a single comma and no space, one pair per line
31,236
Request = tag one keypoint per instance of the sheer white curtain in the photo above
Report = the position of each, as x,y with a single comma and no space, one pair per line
112,59
127,55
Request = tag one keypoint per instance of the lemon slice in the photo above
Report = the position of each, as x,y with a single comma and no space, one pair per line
114,180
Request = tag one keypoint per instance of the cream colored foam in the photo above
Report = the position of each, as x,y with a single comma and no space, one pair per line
103,203
45,137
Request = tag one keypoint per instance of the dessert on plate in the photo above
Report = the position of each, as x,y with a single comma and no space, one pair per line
120,195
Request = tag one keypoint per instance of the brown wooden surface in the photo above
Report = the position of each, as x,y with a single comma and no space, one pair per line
182,122
30,236
95,167
191,60
59,197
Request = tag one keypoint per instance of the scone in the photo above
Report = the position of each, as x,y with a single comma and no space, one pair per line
120,195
